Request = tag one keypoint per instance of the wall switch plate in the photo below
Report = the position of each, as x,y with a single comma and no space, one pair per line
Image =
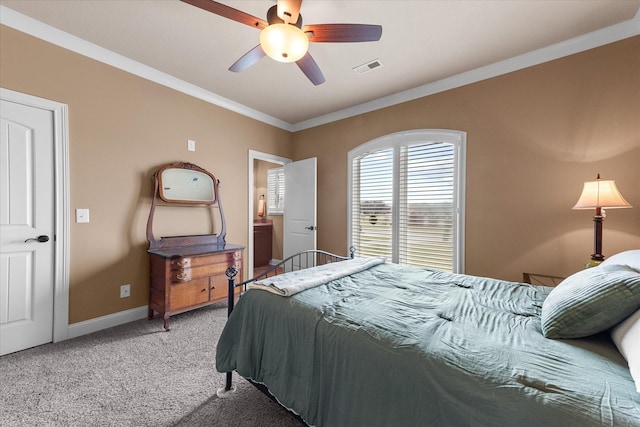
82,215
191,145
125,291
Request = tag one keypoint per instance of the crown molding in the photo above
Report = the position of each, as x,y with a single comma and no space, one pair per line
35,28
601,37
568,47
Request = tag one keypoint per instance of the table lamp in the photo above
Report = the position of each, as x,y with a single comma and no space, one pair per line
599,194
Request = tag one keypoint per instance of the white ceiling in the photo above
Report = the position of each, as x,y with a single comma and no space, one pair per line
426,46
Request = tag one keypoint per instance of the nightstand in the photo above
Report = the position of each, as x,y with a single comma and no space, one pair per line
541,279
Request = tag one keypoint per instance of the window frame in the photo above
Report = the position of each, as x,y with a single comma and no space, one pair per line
274,203
400,139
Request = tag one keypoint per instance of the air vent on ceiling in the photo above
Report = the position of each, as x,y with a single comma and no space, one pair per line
365,68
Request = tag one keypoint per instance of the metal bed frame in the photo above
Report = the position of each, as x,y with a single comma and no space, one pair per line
299,261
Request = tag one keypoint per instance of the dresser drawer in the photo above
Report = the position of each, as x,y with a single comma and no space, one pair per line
188,294
263,230
199,261
187,274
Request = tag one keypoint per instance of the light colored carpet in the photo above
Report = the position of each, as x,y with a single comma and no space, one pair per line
132,375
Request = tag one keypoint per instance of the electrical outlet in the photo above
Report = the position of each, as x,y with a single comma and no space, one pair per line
125,291
191,145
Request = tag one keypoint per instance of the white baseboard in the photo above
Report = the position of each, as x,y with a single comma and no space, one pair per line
108,321
274,261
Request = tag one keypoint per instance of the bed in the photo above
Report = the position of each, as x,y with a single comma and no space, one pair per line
391,345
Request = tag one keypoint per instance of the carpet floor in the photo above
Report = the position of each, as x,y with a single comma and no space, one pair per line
133,375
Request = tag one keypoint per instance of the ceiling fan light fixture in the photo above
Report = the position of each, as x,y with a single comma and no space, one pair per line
284,42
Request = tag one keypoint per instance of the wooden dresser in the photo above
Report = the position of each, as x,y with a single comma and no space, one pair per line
189,277
189,272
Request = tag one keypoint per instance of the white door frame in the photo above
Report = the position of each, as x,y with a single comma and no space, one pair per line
61,205
257,155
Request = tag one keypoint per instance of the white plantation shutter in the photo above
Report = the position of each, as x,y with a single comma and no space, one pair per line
426,214
372,204
275,191
406,198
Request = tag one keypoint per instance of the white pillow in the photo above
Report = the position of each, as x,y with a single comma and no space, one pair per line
626,336
629,258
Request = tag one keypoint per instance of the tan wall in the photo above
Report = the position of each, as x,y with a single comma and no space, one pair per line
121,128
533,137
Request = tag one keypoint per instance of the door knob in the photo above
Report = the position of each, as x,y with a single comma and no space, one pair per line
41,239
313,227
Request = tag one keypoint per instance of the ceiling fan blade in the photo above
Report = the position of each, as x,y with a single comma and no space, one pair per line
343,32
228,12
248,59
288,10
310,69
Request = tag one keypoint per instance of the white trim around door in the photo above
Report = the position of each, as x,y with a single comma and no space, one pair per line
257,155
61,205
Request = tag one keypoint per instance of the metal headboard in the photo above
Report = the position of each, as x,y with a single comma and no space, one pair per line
298,261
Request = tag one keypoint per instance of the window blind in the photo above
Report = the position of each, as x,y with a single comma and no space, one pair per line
404,203
275,191
373,203
426,216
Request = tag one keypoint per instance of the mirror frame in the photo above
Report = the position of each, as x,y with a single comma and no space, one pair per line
191,167
182,241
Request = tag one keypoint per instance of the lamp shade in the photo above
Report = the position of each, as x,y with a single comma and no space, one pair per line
284,42
601,194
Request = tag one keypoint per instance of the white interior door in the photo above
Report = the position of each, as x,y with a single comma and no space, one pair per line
26,214
300,206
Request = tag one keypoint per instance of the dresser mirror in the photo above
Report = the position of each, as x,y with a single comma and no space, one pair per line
184,184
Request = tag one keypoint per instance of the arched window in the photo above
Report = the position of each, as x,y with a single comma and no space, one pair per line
406,198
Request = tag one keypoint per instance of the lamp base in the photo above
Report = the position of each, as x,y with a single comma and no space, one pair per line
593,263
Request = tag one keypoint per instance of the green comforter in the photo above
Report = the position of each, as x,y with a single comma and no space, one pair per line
400,346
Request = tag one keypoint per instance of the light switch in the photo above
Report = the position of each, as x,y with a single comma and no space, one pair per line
82,215
191,145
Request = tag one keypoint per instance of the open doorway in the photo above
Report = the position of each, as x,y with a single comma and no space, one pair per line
266,232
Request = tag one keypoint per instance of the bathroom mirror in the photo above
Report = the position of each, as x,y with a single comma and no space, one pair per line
186,183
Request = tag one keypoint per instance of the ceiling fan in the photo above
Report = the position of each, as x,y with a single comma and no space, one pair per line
284,39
